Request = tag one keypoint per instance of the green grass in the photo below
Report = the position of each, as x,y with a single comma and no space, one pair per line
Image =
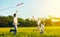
29,32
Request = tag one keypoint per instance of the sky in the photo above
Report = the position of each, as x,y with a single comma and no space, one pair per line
37,8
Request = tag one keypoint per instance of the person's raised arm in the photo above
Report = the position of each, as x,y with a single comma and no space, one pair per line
16,12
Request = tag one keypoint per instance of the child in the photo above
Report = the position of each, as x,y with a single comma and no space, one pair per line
38,23
42,27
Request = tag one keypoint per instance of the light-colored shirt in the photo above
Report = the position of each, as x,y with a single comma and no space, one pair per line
15,21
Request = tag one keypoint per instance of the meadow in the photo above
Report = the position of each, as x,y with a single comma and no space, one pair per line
53,31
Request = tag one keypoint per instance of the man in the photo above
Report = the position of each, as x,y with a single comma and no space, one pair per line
15,23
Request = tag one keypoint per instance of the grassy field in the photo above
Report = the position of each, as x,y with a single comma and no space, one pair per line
30,32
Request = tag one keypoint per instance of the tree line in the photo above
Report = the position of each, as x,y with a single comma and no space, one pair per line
7,21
